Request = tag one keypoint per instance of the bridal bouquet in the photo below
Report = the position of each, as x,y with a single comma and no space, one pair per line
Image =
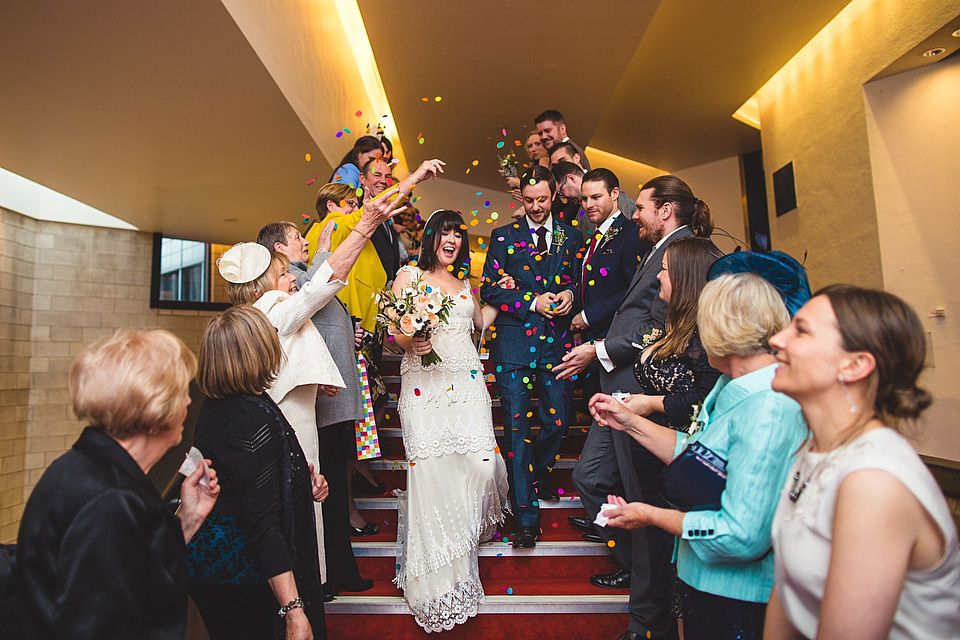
415,312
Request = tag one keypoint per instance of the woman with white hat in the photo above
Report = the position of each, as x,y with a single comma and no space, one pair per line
255,277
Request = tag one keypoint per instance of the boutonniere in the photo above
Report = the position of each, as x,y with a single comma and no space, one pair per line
650,337
610,234
559,237
695,422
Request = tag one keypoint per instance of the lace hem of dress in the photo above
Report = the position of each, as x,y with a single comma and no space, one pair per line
456,544
450,609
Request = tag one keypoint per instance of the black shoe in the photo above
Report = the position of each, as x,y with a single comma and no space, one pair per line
327,592
582,523
546,493
526,538
369,529
591,536
630,635
364,487
617,580
356,586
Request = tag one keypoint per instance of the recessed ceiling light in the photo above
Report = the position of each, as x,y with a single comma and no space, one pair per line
933,53
956,34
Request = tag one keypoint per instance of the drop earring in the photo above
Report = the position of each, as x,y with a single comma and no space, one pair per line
846,392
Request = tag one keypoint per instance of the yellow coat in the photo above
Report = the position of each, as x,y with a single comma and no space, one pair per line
367,277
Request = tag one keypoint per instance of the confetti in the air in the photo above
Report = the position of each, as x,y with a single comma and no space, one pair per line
307,157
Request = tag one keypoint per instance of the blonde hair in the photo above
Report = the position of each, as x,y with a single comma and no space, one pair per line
240,354
240,293
133,382
738,314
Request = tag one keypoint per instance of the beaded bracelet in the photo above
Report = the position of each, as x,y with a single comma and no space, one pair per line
296,603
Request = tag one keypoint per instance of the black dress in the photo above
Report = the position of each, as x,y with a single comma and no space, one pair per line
98,554
683,380
262,525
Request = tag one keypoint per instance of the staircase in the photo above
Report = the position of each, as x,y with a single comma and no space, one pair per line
540,592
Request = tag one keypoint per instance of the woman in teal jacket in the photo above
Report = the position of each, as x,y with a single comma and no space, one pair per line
724,557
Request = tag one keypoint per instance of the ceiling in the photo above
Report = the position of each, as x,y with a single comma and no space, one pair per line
194,117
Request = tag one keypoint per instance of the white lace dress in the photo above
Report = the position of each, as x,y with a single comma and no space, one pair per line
457,480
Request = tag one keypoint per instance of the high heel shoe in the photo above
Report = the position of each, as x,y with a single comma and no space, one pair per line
369,529
364,487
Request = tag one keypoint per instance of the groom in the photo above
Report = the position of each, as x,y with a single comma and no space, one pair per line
530,338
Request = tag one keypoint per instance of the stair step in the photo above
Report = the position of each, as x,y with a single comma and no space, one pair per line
389,503
495,549
382,464
381,605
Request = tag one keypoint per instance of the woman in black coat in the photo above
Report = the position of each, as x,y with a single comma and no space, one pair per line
98,554
256,555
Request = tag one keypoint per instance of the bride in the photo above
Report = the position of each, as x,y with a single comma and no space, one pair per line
456,482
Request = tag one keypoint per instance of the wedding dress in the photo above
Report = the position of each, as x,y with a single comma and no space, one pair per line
456,481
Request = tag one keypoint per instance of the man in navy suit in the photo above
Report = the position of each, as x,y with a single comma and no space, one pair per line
530,338
611,258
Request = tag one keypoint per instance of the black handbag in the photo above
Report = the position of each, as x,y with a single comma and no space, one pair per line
694,480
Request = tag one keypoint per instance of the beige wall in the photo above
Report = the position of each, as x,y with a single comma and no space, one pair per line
813,114
61,287
876,174
914,131
718,184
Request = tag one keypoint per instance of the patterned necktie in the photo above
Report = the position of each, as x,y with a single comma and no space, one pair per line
542,240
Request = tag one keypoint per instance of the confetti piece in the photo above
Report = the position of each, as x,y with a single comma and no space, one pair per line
474,222
476,162
555,525
494,215
611,543
503,131
425,99
420,140
438,99
500,145
313,179
345,130
359,113
359,192
307,157
509,591
339,134
306,218
416,392
559,492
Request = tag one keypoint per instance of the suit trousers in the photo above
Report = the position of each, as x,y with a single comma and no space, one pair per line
337,442
650,548
530,460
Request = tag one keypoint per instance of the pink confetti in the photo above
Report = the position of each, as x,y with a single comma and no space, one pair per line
359,113
313,179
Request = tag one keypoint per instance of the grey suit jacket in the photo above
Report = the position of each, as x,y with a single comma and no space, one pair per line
335,326
641,310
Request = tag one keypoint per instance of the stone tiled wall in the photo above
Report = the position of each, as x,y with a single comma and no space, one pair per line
62,286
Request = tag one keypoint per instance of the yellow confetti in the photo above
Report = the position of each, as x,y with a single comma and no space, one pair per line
476,162
437,99
307,157
474,222
531,468
610,543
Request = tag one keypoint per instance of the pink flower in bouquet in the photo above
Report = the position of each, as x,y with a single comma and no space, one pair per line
421,302
432,320
391,313
407,325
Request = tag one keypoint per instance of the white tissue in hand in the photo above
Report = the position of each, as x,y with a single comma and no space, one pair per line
193,459
601,520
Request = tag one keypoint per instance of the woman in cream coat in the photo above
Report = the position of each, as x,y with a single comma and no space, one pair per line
255,277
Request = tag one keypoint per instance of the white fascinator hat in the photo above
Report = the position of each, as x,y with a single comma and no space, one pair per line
244,262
